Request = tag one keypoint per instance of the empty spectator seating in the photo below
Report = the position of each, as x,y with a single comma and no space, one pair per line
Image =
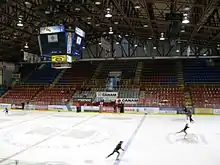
163,96
27,69
208,97
43,75
2,90
78,74
129,93
127,68
21,94
55,95
201,72
84,94
159,72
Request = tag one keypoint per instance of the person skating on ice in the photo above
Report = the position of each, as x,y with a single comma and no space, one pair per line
6,111
116,150
188,114
184,130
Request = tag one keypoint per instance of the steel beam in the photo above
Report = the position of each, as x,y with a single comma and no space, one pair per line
124,16
208,11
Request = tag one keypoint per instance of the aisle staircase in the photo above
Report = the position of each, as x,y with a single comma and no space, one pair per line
181,84
92,81
58,77
138,73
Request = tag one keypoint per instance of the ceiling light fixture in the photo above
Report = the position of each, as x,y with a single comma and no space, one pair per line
145,26
135,45
77,9
154,47
97,2
185,19
26,45
150,38
137,6
110,31
162,38
117,43
20,21
108,14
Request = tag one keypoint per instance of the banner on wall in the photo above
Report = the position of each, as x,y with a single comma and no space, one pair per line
84,99
107,94
128,100
203,111
216,111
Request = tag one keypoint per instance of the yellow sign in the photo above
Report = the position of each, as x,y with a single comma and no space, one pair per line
203,111
58,58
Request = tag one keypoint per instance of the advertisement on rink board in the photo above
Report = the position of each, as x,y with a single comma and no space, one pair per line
57,107
152,110
108,109
127,100
168,110
90,108
41,107
134,109
203,111
3,106
216,111
29,107
16,106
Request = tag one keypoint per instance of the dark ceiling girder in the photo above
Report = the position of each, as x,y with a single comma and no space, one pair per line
144,6
124,15
208,11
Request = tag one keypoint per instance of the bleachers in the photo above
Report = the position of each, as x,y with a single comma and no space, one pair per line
129,93
159,72
20,94
78,74
163,96
27,69
127,68
201,72
44,75
2,90
54,95
208,97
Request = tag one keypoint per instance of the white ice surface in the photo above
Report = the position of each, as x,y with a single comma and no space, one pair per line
82,139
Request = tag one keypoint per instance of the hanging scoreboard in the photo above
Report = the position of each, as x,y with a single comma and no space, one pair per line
56,40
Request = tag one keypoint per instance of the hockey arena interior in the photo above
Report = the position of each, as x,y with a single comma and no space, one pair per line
109,82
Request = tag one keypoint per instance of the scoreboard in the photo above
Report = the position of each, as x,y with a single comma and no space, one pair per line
56,41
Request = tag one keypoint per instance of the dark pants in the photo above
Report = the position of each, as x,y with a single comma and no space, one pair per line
113,153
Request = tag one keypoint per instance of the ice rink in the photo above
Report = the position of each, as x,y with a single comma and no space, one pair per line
82,139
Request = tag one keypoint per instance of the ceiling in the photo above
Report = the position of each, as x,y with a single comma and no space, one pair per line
143,19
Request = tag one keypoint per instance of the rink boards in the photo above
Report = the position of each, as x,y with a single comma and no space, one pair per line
127,109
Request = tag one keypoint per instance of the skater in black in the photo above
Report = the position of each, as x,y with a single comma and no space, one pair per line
184,130
188,114
6,111
117,148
